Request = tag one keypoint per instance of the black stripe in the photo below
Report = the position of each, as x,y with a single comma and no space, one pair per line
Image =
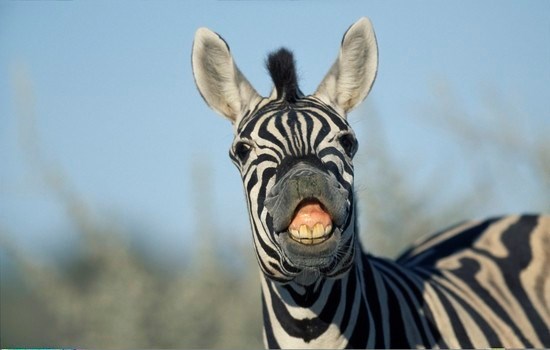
268,328
373,299
456,323
350,294
264,133
454,244
466,273
310,295
517,241
360,335
397,334
403,258
308,328
407,288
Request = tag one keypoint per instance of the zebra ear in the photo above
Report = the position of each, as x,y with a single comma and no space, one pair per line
221,84
350,78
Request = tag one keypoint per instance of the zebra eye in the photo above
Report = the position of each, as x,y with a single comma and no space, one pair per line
242,150
349,144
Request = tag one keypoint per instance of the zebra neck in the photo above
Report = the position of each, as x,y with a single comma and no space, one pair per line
325,314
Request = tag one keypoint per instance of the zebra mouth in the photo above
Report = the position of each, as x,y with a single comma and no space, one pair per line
311,223
311,238
310,253
306,195
308,209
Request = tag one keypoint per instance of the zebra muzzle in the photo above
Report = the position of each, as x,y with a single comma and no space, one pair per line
308,208
307,202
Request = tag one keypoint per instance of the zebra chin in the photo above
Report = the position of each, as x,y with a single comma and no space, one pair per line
332,258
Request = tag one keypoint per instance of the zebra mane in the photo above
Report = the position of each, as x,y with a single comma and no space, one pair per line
282,68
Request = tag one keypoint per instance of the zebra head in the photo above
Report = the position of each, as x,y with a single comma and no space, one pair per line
294,152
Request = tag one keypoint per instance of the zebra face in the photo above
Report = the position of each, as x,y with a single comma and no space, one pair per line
296,164
294,152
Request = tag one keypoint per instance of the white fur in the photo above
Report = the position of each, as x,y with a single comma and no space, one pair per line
350,78
221,84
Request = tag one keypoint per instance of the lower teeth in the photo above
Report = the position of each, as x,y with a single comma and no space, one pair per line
309,241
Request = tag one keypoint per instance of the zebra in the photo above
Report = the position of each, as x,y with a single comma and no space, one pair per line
476,284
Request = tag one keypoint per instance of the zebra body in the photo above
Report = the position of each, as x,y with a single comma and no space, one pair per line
427,298
478,284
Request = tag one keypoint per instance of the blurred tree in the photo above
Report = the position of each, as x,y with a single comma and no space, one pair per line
107,294
502,158
394,211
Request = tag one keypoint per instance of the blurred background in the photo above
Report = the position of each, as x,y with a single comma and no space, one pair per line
122,219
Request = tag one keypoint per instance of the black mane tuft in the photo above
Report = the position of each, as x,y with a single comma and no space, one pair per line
282,69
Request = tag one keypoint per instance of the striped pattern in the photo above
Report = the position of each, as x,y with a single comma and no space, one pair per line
480,284
307,130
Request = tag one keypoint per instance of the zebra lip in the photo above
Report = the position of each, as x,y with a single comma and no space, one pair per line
311,238
306,254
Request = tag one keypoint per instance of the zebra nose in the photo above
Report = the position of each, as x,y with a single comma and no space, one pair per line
306,183
303,182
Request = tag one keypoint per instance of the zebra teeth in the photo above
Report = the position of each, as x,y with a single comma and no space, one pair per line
318,240
295,234
310,235
305,231
317,231
312,241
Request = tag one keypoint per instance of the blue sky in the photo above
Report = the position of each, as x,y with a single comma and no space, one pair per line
117,109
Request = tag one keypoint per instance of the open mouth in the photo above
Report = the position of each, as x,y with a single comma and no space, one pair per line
312,236
308,208
311,223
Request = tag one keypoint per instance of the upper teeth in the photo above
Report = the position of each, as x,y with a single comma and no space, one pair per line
310,235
